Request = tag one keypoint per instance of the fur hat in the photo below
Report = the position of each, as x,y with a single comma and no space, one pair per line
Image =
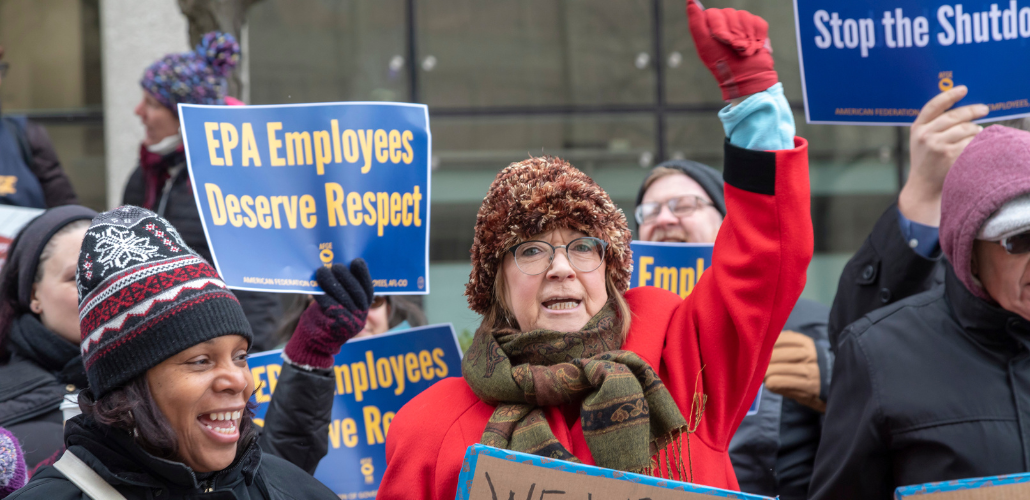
535,196
993,170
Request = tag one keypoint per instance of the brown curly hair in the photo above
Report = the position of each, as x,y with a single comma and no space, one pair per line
534,196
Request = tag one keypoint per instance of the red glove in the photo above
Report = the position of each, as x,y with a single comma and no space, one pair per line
334,318
734,44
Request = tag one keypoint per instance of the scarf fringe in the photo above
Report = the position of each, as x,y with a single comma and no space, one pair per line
654,468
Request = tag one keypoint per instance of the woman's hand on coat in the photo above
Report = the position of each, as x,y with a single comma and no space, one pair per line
334,318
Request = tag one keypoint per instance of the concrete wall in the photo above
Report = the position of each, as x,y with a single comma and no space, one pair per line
134,33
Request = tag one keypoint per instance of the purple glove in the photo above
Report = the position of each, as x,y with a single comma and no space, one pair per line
334,318
12,464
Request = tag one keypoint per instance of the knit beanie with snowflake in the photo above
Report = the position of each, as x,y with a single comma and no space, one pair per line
145,296
196,77
12,464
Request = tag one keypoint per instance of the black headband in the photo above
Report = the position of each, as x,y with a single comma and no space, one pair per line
33,239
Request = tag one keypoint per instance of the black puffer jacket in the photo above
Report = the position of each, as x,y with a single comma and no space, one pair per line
178,206
933,388
114,456
29,401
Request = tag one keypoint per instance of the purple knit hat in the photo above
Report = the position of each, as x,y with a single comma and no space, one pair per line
993,169
196,77
12,464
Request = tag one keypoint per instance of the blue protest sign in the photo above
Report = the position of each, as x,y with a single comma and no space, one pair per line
675,267
284,189
375,377
1006,487
877,62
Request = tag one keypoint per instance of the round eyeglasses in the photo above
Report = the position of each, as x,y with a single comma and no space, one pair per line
534,257
681,206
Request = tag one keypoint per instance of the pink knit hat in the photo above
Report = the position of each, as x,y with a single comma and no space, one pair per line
993,169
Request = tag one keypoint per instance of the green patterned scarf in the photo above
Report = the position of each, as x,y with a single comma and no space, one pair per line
627,413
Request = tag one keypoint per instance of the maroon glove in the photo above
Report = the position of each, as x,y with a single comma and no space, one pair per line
334,318
734,44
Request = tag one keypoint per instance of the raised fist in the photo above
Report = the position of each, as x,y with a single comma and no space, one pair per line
734,45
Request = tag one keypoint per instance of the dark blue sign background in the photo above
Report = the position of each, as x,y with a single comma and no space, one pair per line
890,85
356,460
335,182
675,267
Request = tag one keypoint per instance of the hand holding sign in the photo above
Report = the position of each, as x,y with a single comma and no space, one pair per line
734,45
335,317
938,136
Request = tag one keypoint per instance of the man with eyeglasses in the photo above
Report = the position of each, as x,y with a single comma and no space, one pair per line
30,172
936,387
773,450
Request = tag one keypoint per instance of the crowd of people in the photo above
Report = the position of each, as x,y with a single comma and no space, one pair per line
914,375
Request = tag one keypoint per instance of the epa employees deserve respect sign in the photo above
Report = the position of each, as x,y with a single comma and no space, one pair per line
375,377
877,62
676,267
284,189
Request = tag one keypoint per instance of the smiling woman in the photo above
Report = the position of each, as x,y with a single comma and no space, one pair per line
164,345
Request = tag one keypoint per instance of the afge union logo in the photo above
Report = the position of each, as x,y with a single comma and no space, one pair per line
325,253
367,469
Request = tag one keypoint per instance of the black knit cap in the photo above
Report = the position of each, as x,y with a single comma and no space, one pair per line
33,239
709,178
145,296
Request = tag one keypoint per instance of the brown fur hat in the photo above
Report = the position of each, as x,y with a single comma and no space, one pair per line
535,196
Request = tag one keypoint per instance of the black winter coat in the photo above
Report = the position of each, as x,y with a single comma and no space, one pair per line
933,388
883,271
178,206
114,456
29,401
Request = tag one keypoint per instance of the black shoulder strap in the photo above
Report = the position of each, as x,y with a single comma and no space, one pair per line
18,125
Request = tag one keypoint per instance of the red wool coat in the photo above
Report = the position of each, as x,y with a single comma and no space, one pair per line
728,325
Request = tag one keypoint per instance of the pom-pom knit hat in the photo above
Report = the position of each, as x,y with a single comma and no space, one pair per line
196,77
993,170
145,296
12,464
535,196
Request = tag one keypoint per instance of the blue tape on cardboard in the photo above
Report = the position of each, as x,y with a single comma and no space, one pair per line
877,62
375,377
284,189
1008,482
489,473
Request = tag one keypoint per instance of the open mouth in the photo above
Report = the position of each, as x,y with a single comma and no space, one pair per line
561,304
225,423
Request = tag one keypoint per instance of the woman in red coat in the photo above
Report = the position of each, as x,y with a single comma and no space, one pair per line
568,363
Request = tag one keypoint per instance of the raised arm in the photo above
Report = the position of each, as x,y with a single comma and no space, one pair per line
732,319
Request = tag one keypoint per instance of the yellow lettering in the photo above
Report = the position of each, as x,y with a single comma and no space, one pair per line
250,149
397,363
644,275
351,149
387,418
395,209
395,146
291,210
686,281
334,202
274,145
322,153
418,202
360,376
273,377
246,202
371,370
216,204
370,218
342,380
350,433
354,208
383,204
441,367
212,143
406,216
335,125
373,418
409,155
383,372
665,278
298,148
365,137
263,211
307,211
382,146
334,433
232,210
425,360
411,364
276,201
230,139
259,384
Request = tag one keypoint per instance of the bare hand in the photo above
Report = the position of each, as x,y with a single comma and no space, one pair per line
938,137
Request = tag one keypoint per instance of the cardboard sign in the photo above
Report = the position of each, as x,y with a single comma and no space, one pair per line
1010,487
284,189
492,474
877,62
12,219
375,377
676,267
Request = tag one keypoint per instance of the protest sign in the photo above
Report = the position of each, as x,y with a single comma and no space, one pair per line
12,219
675,267
1010,487
375,377
493,474
284,189
877,62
